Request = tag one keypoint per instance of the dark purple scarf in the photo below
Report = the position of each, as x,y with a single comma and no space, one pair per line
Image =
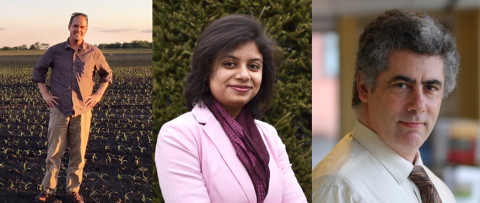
248,144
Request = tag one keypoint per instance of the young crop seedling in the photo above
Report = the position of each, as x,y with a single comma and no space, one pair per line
126,195
26,185
137,161
119,177
122,160
135,177
109,194
109,159
145,179
143,170
101,175
25,168
130,149
5,150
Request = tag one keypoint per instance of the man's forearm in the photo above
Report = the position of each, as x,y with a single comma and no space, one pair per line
102,88
49,99
43,88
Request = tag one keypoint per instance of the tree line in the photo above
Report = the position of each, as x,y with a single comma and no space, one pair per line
126,45
36,46
135,44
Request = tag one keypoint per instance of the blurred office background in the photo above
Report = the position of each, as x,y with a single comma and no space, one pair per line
453,149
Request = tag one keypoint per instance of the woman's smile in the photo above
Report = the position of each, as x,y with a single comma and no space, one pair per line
240,88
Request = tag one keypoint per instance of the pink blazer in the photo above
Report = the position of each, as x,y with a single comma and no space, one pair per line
196,162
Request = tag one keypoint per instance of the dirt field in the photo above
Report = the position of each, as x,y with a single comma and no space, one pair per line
119,153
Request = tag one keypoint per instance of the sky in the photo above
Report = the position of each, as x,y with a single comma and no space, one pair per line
46,21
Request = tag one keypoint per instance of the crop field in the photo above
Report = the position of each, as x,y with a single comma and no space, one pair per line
119,152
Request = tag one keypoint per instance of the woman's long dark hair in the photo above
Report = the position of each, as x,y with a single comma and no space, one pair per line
223,36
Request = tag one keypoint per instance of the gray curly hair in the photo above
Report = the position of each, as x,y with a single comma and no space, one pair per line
400,29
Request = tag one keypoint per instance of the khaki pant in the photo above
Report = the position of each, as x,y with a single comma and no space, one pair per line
65,131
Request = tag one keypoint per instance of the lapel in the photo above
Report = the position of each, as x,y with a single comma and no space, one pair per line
215,132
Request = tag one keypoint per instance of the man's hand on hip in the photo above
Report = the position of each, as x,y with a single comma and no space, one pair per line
50,99
93,100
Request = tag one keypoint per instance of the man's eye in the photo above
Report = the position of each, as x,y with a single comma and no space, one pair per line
431,88
401,85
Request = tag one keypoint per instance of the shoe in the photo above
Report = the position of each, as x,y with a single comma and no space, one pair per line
44,196
75,197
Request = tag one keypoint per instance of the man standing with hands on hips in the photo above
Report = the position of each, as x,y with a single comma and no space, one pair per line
406,65
73,65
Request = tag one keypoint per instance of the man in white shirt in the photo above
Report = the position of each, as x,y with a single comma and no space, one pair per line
406,65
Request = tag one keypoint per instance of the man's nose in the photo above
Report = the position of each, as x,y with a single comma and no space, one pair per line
416,101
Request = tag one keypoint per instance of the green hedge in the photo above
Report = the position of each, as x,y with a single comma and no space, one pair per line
177,26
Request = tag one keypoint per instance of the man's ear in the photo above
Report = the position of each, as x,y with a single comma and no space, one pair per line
362,88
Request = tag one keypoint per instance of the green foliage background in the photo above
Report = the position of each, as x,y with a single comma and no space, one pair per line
176,28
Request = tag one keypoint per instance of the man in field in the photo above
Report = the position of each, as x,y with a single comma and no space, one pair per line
406,65
73,64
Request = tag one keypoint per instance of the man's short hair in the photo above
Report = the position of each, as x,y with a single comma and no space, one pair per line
77,14
400,29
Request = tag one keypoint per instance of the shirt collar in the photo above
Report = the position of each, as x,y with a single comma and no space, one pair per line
67,45
395,164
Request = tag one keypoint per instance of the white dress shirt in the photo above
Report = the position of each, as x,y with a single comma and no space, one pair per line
363,169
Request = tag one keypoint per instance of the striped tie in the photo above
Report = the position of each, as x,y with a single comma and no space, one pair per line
427,190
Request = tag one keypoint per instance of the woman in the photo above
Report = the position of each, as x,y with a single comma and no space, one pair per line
217,152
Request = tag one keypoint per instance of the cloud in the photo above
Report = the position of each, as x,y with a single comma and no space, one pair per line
147,31
115,30
2,29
